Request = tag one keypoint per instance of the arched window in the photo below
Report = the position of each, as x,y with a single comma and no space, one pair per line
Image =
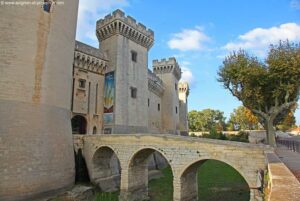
79,124
95,130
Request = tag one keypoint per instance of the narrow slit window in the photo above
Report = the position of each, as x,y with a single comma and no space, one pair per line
133,92
158,107
134,56
82,83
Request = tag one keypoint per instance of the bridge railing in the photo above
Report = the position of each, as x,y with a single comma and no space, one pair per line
291,144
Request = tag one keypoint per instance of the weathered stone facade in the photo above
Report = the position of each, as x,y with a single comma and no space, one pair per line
124,46
88,82
36,148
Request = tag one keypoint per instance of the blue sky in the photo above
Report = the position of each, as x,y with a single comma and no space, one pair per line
199,33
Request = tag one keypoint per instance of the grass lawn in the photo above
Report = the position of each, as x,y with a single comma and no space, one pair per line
217,181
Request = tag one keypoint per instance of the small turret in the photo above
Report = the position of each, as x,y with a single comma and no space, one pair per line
183,93
169,72
167,66
184,88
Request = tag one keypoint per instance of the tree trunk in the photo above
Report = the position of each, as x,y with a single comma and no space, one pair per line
270,132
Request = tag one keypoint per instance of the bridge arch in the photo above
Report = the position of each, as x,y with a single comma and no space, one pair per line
189,179
106,169
138,173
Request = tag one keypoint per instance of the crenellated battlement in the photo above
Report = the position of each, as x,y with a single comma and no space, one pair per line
167,66
89,58
155,84
183,87
118,23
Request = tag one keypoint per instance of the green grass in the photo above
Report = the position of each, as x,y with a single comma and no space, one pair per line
162,189
103,196
217,181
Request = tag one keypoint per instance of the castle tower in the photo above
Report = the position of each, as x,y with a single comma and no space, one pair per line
183,107
170,73
126,88
36,148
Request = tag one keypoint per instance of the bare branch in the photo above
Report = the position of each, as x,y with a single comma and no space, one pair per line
287,95
260,113
276,110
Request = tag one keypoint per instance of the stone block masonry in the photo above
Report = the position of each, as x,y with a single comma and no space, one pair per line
182,153
36,56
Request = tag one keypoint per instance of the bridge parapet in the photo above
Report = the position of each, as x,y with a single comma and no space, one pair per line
283,184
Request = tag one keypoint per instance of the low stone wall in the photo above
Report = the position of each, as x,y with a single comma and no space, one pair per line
283,184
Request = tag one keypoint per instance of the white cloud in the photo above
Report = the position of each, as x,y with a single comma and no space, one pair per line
258,40
89,12
189,39
187,74
295,4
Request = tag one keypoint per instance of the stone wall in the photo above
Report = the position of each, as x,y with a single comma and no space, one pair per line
283,184
89,67
183,88
36,149
169,72
120,37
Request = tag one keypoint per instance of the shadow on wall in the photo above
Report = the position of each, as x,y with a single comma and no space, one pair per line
81,175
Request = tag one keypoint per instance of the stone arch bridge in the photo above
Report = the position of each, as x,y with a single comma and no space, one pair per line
184,155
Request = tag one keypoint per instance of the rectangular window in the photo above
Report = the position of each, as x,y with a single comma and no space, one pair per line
133,92
148,102
133,56
175,87
81,83
47,5
176,109
158,107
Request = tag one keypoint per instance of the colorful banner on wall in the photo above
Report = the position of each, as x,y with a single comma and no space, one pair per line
109,98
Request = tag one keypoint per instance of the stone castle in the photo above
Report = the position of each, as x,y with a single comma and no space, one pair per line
115,92
47,90
45,86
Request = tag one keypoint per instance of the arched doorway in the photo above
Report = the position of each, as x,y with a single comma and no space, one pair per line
208,180
139,187
79,125
106,170
95,130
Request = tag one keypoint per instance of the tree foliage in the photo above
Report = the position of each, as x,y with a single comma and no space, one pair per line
242,119
270,88
206,120
288,122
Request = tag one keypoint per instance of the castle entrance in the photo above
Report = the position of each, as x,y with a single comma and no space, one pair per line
79,125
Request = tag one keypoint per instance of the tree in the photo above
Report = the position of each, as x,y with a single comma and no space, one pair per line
194,120
270,88
243,119
288,122
206,120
